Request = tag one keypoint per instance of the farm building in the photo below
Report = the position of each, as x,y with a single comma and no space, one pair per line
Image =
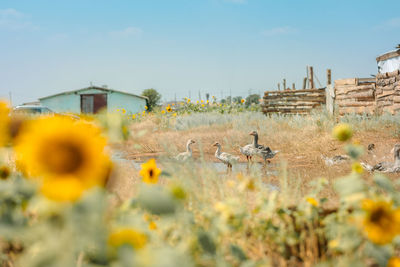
389,62
93,99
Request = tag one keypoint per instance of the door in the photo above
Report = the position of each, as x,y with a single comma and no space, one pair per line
99,102
87,102
93,103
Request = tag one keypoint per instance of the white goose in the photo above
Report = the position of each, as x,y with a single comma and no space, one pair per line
249,150
184,156
226,158
387,166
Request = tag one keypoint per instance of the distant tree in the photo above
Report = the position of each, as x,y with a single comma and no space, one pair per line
254,98
207,96
153,98
229,100
237,99
223,101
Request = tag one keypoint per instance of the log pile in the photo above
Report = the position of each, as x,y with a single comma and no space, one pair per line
293,101
388,92
355,95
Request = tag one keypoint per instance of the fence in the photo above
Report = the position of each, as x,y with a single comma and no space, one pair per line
355,95
293,101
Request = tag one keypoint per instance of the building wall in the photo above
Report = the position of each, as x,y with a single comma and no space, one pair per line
63,103
71,102
388,92
130,103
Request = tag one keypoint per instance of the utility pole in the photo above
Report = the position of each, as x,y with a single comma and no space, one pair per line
284,84
199,96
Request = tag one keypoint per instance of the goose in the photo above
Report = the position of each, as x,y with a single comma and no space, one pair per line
249,150
226,158
262,151
387,166
338,159
188,153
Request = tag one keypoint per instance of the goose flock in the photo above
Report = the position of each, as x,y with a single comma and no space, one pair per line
250,150
265,152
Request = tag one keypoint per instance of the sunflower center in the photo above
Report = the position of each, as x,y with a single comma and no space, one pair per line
151,173
379,216
63,158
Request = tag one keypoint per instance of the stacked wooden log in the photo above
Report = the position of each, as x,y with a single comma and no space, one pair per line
355,95
388,92
293,101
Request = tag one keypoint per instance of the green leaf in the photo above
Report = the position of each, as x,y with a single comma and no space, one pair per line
206,243
238,252
384,183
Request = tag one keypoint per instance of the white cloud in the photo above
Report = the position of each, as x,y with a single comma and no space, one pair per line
11,19
389,24
279,31
128,32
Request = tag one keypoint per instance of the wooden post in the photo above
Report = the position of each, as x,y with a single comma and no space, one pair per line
308,79
284,84
279,86
294,86
328,76
311,78
304,83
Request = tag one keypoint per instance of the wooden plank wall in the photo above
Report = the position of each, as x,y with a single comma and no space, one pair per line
355,95
388,92
293,101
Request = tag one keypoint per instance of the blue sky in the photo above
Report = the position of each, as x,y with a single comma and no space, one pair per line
183,47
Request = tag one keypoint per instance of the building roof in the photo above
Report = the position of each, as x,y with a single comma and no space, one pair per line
92,87
388,55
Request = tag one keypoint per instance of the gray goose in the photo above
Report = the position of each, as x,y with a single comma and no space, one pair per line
226,158
262,151
390,167
184,156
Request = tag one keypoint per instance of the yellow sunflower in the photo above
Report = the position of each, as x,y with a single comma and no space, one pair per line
65,154
393,262
162,111
152,225
168,108
381,222
4,123
357,168
4,172
242,101
312,201
342,132
150,172
127,236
